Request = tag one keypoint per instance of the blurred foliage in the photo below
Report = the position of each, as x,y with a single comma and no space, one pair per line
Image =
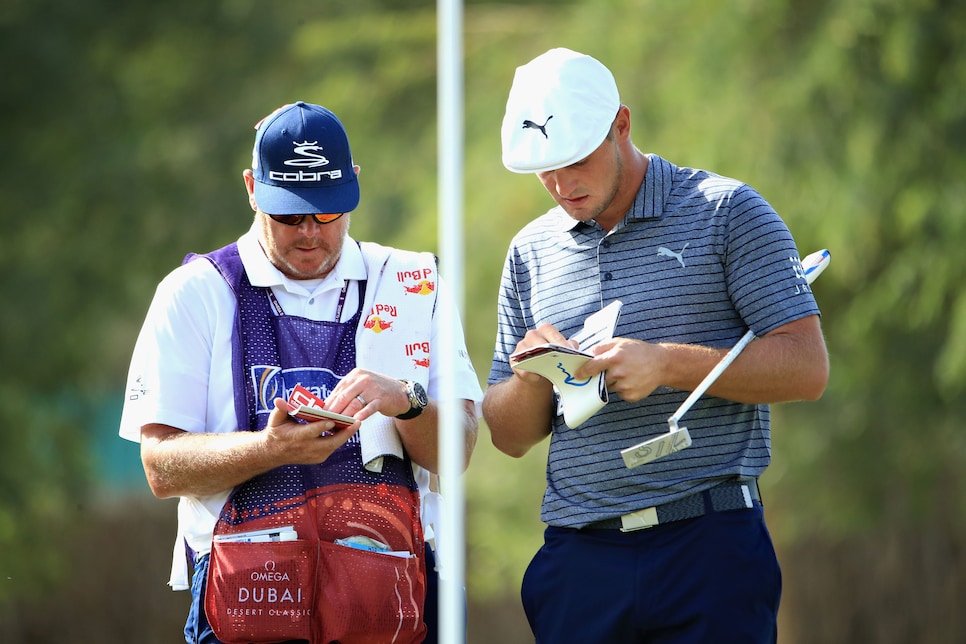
127,127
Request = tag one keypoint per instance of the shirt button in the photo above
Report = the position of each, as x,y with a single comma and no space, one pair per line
312,301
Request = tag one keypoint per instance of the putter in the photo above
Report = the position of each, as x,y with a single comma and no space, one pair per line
678,438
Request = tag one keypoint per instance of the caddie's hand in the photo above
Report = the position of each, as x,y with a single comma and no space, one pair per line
545,333
362,393
633,367
303,443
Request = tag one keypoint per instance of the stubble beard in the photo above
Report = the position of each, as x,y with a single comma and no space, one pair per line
608,199
614,187
276,255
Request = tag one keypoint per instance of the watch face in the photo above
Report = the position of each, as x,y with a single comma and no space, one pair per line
417,400
418,395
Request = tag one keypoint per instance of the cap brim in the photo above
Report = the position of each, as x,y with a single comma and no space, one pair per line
276,200
523,157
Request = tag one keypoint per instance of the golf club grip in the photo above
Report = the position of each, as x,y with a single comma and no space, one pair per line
812,265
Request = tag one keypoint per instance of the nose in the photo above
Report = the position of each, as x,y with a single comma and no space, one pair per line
564,182
310,227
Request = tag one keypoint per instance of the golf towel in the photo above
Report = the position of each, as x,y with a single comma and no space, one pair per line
394,333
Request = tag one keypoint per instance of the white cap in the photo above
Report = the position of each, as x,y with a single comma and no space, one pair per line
560,109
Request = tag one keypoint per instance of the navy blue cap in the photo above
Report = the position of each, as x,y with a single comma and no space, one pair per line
302,162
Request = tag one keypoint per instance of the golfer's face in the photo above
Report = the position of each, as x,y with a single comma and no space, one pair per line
587,188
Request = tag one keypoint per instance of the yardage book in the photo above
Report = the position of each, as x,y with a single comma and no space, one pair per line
579,399
305,405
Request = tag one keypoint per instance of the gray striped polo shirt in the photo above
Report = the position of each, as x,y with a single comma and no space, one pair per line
699,259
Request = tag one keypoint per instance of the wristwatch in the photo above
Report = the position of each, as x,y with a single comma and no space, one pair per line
417,400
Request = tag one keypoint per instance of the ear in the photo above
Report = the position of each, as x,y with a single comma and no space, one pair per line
622,123
250,187
358,169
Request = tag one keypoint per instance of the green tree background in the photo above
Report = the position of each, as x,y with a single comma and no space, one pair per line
126,128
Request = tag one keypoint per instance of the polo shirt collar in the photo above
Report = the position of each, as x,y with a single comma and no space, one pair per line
655,190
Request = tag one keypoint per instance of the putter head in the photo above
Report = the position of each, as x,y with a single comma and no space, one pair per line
654,448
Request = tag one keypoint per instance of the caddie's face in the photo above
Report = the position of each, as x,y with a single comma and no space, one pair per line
307,251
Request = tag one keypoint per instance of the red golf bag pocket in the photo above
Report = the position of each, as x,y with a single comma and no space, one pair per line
262,592
370,597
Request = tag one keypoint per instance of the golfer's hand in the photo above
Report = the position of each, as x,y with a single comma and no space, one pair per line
633,367
545,333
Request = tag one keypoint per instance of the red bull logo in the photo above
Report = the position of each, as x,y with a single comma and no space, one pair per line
424,287
383,309
421,362
377,324
416,275
415,348
377,317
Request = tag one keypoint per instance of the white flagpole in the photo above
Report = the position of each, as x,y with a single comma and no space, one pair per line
450,176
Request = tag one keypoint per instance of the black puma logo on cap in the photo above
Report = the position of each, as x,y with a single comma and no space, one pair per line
543,128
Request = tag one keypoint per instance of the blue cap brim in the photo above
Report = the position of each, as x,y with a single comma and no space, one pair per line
276,200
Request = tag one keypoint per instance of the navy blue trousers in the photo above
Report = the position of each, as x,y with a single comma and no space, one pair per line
713,579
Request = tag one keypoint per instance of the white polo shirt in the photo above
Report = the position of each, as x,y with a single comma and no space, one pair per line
181,369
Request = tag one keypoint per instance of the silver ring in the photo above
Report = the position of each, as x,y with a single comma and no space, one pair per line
362,400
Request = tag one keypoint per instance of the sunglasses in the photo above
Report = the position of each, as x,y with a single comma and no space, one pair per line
295,220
